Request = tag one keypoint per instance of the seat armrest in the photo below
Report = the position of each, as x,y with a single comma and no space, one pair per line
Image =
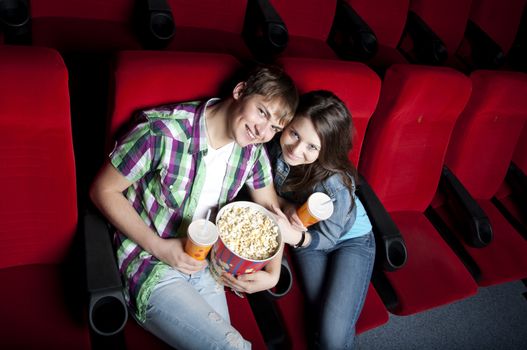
518,182
285,282
107,309
485,52
479,233
264,31
350,36
428,48
154,23
15,21
390,244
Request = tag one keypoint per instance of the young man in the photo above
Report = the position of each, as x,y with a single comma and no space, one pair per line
176,164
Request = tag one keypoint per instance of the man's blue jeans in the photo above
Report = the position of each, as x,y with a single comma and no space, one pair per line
335,284
190,312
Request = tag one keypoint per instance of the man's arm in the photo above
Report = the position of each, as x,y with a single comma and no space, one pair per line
107,194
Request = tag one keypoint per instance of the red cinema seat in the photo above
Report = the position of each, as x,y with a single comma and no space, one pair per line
308,24
145,79
490,32
40,307
83,25
511,198
387,19
402,156
359,87
479,153
210,26
447,20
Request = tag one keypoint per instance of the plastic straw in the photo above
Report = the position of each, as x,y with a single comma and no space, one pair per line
205,224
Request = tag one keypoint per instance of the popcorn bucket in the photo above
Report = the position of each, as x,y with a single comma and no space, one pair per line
222,259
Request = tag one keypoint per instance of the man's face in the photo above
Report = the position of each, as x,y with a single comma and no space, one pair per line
256,119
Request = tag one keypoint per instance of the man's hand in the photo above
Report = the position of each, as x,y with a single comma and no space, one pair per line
171,251
251,282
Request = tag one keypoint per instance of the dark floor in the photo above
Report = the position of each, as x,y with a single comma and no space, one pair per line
494,318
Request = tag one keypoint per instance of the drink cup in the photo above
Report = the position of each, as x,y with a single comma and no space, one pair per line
318,207
201,235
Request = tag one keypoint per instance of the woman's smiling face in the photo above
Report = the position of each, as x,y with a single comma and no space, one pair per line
300,142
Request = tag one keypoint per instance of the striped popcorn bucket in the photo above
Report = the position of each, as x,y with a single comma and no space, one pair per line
222,259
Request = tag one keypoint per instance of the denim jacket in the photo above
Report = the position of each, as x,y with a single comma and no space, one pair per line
325,234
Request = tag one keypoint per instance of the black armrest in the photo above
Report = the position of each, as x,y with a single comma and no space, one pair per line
350,36
107,309
390,244
428,47
154,22
518,182
264,31
479,232
486,53
15,21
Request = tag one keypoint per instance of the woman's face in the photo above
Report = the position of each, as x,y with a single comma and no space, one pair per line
300,142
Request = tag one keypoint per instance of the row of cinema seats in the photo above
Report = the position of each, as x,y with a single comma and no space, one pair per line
441,151
465,34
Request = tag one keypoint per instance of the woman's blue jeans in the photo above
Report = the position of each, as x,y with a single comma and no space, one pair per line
335,284
190,312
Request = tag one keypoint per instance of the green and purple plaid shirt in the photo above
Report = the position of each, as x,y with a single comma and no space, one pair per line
162,155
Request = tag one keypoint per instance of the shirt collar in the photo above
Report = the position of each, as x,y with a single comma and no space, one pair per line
199,128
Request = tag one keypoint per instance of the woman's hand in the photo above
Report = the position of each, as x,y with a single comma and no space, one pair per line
290,234
290,213
251,282
171,251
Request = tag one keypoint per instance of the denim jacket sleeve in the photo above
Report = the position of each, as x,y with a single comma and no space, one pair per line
325,234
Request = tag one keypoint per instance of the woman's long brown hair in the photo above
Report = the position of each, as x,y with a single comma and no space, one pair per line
332,121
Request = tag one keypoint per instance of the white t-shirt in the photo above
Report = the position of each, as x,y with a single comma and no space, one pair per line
216,165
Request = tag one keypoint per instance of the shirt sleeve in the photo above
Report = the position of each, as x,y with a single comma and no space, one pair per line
260,175
133,154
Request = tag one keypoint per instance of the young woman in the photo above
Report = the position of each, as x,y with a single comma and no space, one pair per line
335,256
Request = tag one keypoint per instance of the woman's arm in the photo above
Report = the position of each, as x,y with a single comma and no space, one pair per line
107,194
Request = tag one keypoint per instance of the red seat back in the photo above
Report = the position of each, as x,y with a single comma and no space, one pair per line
446,18
145,79
499,19
38,209
83,25
356,84
488,130
309,19
225,15
385,17
406,140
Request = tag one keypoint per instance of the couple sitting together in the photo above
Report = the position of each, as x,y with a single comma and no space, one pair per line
179,161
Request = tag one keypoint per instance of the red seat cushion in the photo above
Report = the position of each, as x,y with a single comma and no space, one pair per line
505,258
244,321
433,275
35,312
373,312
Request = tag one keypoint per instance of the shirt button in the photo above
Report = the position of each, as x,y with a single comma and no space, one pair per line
170,186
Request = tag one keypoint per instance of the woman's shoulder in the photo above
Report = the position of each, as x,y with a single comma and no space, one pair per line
333,184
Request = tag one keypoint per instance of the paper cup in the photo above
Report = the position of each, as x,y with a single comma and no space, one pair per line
318,207
222,259
201,235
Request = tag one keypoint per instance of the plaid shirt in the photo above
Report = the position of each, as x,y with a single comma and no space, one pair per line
163,157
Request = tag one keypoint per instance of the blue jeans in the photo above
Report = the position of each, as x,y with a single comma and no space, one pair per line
190,312
335,284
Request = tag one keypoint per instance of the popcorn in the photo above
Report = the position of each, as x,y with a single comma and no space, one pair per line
248,233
